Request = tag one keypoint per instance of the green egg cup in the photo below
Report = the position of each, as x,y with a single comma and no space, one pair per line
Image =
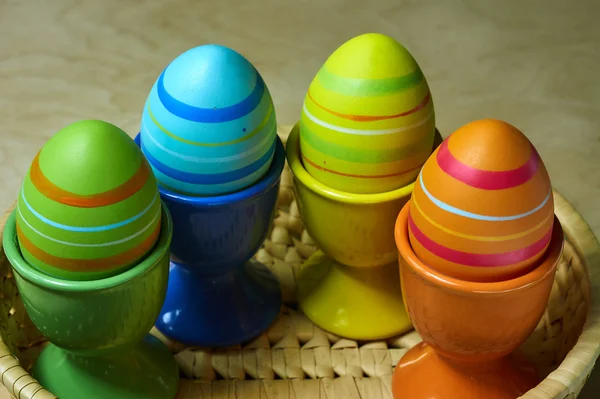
98,329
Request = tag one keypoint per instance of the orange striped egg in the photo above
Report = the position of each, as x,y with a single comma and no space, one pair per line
367,123
482,207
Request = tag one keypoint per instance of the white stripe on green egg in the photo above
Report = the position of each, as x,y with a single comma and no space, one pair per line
86,232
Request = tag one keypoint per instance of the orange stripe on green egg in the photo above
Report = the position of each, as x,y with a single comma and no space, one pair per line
86,228
75,268
86,200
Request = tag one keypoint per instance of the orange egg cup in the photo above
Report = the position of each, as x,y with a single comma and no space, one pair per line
469,329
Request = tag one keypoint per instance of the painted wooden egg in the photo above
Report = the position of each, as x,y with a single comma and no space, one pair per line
367,123
482,207
89,206
208,125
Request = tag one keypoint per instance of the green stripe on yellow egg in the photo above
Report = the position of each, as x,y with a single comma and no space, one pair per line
368,87
371,74
374,105
363,169
342,131
349,148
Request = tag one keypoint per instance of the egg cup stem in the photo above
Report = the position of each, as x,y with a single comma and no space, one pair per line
216,296
219,310
352,302
352,287
146,371
470,329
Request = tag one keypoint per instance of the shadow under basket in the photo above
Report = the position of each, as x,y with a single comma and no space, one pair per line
295,359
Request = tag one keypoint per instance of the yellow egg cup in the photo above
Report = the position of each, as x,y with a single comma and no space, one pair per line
352,287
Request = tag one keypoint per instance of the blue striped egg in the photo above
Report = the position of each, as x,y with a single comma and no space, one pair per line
208,126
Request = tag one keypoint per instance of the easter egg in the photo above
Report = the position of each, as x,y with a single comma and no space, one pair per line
482,208
208,125
367,122
89,206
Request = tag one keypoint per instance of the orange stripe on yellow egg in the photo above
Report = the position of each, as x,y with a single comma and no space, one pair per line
91,265
330,158
402,134
371,118
117,194
484,244
360,176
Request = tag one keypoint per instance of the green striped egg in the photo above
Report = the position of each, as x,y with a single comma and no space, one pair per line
89,206
367,123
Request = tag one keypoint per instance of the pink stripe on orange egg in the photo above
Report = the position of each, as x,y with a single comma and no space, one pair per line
486,179
479,260
372,118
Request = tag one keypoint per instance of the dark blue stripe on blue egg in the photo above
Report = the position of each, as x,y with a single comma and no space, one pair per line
205,132
207,179
210,115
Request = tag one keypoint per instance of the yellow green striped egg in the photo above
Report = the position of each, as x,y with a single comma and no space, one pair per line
367,123
89,206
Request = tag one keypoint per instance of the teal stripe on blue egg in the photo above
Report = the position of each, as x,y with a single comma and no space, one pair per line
210,189
208,125
178,155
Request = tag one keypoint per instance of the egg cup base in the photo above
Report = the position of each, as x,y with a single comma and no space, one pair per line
221,310
361,303
423,373
147,371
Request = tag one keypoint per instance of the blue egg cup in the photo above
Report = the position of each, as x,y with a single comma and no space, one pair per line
216,295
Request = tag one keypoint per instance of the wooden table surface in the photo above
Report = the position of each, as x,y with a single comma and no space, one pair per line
534,64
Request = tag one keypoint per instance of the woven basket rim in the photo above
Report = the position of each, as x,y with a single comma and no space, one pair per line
581,359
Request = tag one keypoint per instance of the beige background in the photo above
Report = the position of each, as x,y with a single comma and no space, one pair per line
534,64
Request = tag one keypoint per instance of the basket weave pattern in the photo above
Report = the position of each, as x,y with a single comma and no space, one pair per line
295,359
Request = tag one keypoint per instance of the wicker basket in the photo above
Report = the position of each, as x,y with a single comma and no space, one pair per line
295,359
